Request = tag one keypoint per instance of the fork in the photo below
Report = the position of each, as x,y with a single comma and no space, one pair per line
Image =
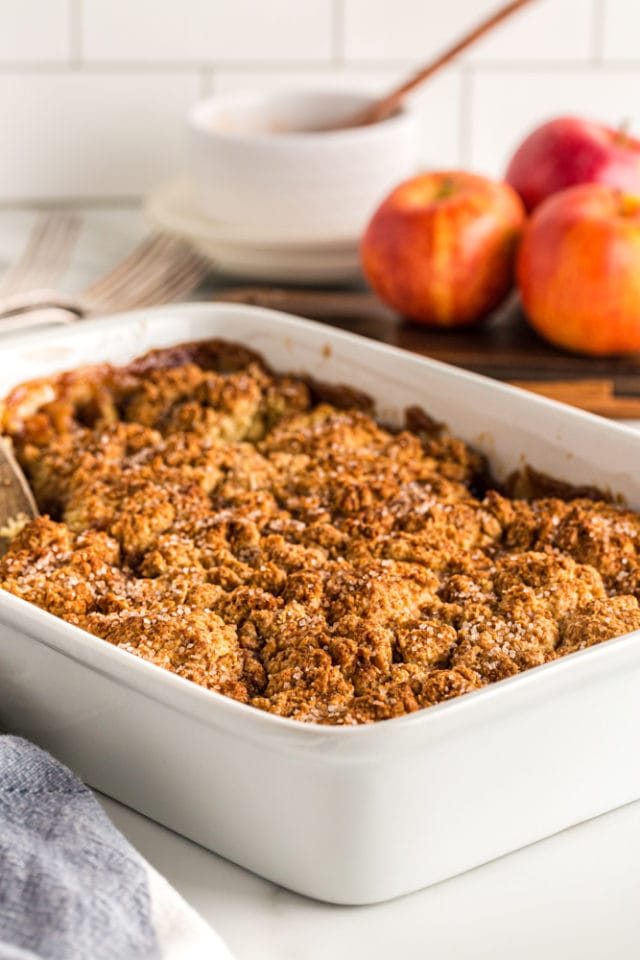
159,270
45,256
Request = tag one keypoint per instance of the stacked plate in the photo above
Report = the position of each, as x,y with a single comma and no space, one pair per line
242,251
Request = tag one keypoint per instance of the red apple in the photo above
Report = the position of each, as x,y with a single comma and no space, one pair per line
568,151
578,270
440,248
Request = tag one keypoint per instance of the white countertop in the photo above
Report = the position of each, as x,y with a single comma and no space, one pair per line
571,897
575,895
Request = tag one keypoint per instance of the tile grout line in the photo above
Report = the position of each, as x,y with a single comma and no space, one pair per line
467,77
106,67
75,33
97,202
597,33
337,32
205,81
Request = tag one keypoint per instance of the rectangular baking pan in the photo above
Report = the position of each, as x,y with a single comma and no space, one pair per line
357,814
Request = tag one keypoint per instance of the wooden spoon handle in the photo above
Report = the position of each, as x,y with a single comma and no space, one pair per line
383,108
17,503
596,396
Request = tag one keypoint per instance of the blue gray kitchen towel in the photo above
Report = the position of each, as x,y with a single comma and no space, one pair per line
71,886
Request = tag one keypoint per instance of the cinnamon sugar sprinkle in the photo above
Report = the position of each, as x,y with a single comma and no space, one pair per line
223,523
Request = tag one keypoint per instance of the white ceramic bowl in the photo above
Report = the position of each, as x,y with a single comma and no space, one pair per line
257,161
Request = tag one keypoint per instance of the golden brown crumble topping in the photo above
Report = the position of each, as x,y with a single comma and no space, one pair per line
269,540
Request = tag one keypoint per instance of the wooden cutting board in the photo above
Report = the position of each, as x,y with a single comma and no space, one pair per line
503,346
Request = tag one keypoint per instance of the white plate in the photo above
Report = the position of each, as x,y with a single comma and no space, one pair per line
234,249
354,814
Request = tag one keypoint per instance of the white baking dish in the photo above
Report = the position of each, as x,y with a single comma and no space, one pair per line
350,815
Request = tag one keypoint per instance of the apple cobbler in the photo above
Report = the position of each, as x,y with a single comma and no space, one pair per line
265,537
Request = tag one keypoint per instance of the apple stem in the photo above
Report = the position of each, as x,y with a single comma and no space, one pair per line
446,189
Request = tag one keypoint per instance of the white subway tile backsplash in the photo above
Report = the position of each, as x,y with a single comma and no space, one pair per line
506,105
621,30
204,30
416,30
229,80
79,135
33,31
440,110
438,105
104,84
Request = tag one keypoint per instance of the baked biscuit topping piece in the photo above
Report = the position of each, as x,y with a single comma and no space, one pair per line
217,521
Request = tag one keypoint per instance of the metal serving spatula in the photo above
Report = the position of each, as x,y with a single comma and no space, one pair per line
17,503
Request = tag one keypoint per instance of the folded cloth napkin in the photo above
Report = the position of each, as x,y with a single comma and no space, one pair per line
71,886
